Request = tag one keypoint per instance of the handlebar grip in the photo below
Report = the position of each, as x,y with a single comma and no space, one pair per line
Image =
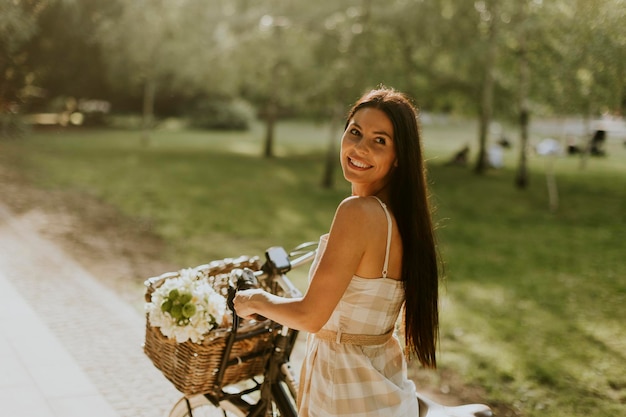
246,280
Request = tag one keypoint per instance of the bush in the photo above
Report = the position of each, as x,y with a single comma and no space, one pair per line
220,114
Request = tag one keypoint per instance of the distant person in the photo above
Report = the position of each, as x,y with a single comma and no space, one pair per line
597,143
495,156
549,146
378,260
504,142
460,157
572,146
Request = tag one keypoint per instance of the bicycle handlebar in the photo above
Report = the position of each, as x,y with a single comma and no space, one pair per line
278,263
305,255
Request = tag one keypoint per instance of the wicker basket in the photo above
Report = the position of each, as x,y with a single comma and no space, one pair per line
193,368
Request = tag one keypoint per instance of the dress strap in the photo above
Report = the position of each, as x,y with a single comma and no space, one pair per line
386,264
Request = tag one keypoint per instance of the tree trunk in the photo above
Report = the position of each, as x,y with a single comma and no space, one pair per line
584,156
553,193
270,123
149,93
486,105
521,179
273,100
481,161
331,154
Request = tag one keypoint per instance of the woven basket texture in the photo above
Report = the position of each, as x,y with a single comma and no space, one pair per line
193,367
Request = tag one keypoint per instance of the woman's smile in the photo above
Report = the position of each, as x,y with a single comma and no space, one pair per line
358,164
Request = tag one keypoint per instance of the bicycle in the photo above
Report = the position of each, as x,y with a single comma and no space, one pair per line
274,393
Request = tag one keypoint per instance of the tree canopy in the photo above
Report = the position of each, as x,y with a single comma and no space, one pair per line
305,57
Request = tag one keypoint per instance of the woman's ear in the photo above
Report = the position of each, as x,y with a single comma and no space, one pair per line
395,163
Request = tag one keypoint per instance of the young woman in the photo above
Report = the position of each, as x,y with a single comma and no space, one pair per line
378,257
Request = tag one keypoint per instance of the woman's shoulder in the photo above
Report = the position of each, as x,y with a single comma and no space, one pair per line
361,211
357,203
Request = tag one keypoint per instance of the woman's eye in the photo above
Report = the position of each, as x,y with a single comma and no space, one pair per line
354,132
382,141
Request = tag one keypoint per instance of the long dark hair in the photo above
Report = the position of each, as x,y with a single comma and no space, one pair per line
409,202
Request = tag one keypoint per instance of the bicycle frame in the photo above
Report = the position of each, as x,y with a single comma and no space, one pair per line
272,389
276,376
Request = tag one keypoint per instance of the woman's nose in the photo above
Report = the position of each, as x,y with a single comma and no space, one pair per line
361,146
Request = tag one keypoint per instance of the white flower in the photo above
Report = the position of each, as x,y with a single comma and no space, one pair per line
186,307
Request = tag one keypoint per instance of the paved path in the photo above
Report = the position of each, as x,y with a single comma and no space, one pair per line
68,346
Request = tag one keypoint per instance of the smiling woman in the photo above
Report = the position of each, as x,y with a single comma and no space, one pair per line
378,259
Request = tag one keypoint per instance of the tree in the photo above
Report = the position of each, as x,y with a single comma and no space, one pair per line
281,73
311,58
522,17
345,70
521,178
149,47
490,17
17,26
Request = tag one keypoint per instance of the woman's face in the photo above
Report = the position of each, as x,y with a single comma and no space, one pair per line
368,151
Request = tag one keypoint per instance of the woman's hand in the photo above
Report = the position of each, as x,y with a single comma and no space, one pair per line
246,302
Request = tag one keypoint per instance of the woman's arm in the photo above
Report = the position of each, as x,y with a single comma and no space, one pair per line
347,241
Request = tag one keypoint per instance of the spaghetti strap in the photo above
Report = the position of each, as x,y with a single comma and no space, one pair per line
386,264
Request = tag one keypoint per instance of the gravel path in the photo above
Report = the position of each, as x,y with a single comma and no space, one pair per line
103,333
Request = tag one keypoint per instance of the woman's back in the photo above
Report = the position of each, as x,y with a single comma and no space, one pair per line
354,366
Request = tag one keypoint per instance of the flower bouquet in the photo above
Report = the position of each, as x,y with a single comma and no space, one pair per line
190,335
187,307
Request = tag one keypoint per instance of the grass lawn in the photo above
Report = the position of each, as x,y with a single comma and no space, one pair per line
533,305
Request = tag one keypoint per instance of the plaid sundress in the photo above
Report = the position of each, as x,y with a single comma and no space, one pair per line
340,379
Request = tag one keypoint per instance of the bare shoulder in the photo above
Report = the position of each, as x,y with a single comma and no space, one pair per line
353,229
359,206
358,213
